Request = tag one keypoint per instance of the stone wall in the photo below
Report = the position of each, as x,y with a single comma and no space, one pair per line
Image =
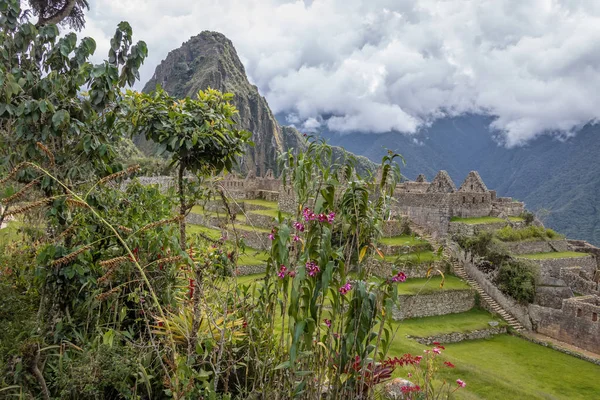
455,337
386,269
509,208
550,268
393,227
577,322
437,303
580,281
538,246
585,247
518,311
287,200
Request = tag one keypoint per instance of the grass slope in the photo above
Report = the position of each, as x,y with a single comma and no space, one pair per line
403,240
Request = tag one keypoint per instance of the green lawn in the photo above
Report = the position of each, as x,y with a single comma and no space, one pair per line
462,322
249,228
210,232
555,254
430,285
404,240
261,202
415,257
516,219
477,220
253,257
270,213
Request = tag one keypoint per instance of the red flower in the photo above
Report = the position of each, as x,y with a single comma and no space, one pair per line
449,364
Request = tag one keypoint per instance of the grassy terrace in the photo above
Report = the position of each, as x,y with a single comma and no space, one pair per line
261,202
516,219
210,232
557,254
415,257
431,285
404,240
270,213
253,257
499,368
477,220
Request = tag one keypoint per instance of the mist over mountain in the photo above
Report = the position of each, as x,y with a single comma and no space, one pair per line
557,174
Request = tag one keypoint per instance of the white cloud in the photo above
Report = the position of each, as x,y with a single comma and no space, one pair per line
381,65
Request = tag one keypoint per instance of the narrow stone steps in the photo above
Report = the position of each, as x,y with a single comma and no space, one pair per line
510,320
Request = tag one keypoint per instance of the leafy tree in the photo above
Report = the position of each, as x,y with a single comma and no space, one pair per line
45,115
198,135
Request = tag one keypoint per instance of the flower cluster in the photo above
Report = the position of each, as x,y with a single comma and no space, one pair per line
309,215
461,383
272,234
299,226
312,268
406,359
345,288
327,322
399,277
282,271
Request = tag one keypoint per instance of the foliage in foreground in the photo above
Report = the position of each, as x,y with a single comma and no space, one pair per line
103,300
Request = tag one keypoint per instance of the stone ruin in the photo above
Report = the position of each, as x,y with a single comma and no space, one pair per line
433,204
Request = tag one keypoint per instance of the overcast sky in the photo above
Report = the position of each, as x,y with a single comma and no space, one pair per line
381,65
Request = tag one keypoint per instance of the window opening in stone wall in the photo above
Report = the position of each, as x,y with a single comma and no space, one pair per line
482,199
473,200
579,312
464,199
594,317
471,187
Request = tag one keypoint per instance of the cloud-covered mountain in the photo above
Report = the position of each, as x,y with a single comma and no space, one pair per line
382,65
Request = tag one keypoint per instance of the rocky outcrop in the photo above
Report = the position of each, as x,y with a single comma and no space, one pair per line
210,60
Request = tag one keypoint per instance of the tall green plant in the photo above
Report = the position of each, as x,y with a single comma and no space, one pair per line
198,135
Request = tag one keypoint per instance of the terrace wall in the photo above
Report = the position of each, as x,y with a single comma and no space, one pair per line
437,303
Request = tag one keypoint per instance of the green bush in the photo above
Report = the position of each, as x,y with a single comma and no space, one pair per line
528,217
517,279
510,234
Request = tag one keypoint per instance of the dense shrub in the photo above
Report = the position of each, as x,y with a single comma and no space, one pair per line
528,217
510,234
517,279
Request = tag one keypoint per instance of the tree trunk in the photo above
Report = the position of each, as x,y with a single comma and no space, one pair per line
182,208
59,16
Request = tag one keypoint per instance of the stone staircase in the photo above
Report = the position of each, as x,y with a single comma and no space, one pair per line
461,273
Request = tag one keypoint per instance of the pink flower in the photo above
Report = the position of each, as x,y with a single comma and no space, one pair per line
271,236
330,217
299,226
322,218
312,268
346,288
448,364
409,375
399,277
418,359
461,383
296,238
282,270
327,322
308,215
292,274
437,350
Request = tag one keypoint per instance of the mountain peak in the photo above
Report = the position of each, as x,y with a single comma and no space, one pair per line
208,60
